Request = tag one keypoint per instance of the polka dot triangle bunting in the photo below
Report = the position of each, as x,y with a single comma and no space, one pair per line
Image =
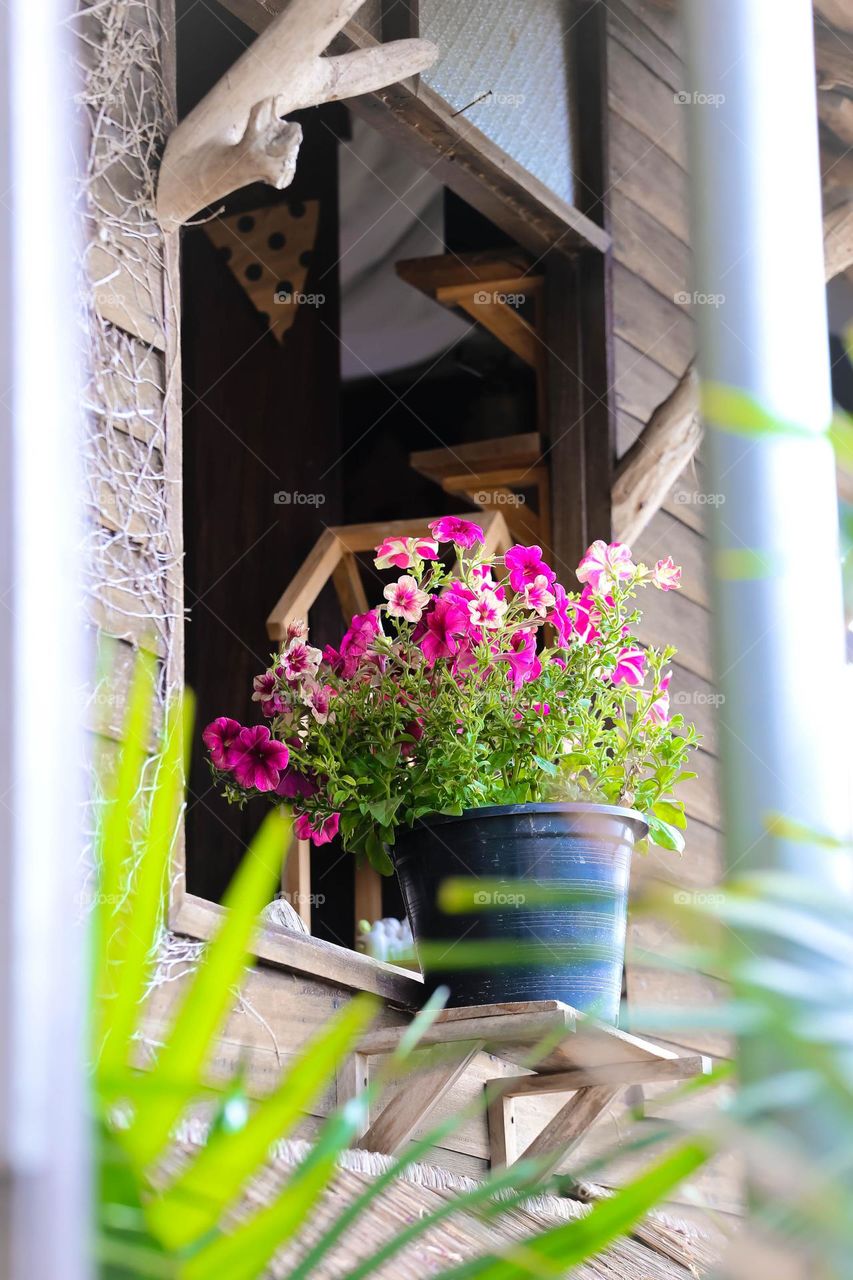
269,252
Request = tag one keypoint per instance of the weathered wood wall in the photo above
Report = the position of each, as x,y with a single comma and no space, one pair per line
654,342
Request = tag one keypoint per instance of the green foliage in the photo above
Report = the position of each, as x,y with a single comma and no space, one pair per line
540,705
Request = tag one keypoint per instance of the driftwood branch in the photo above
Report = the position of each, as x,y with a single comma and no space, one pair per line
237,135
657,457
838,13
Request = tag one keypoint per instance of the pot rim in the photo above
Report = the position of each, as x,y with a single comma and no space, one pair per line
579,807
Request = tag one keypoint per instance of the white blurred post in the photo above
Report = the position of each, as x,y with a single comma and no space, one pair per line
44,1191
779,627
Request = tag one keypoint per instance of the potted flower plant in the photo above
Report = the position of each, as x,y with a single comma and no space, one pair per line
483,721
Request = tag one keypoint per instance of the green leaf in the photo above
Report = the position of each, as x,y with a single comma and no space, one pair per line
664,835
194,1204
209,997
672,812
114,847
554,1252
139,918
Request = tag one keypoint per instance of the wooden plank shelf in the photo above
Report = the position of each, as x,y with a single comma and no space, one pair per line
562,1051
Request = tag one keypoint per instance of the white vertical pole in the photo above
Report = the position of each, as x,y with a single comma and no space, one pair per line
44,1193
778,617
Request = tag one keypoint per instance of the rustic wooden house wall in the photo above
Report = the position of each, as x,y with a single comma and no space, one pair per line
136,503
654,341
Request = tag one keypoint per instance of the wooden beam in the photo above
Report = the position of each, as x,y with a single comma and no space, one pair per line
836,13
236,134
836,113
570,1123
833,58
838,240
656,459
649,1071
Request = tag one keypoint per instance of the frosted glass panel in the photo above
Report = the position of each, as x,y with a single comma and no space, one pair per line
513,56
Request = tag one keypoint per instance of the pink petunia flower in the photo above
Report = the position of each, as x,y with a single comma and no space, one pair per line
219,738
667,575
605,564
630,667
405,599
300,660
524,665
320,835
451,529
444,625
658,711
486,610
257,758
292,784
525,565
297,629
561,617
356,641
537,595
586,616
266,693
319,698
401,553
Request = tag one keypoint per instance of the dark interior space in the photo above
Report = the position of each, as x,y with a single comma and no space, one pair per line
278,447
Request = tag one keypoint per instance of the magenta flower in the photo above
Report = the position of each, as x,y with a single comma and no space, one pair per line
659,708
300,661
451,529
405,599
525,565
319,698
297,629
401,553
354,645
537,595
257,758
561,618
444,625
605,564
630,667
219,738
318,835
292,784
667,576
524,665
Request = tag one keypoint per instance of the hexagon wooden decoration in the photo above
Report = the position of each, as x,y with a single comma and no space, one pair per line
334,557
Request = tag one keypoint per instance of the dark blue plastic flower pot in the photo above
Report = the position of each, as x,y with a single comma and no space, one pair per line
572,951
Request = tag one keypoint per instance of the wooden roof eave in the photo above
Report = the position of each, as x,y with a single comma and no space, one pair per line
457,153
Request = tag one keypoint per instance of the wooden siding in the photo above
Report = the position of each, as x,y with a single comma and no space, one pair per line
654,343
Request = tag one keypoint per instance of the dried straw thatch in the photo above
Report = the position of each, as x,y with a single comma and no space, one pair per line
660,1247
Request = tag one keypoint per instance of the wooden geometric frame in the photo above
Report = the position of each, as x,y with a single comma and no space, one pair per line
333,558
